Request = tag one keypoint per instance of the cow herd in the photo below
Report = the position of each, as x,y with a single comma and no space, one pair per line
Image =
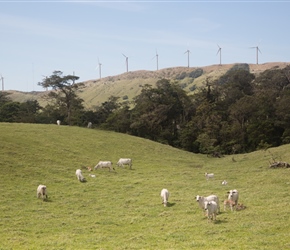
41,191
210,204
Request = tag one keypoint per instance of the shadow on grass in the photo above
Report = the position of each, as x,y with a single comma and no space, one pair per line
219,221
47,200
169,204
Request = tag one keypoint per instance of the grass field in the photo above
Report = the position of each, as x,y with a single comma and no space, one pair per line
122,209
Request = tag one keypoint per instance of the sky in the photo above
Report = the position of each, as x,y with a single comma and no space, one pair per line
75,37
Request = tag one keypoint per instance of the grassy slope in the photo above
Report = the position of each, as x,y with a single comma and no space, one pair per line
122,209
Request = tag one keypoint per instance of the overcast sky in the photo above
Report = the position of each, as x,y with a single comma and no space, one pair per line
39,37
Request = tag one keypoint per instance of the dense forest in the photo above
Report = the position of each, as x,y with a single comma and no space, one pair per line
237,113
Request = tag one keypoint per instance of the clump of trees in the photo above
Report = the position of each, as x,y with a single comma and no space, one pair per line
234,114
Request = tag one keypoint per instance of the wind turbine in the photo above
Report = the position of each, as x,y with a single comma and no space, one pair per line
220,51
257,53
2,80
156,58
100,68
188,51
126,61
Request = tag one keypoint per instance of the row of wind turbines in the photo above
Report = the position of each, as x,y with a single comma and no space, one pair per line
219,52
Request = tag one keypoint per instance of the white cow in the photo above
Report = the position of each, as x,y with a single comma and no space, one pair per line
234,197
164,196
208,176
79,175
105,164
211,209
201,201
124,161
41,192
58,122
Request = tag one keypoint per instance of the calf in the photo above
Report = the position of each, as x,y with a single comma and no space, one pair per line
229,203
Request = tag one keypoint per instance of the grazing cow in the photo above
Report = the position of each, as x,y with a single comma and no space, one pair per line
201,201
234,197
80,175
41,192
208,176
90,125
211,209
124,161
105,164
164,196
58,122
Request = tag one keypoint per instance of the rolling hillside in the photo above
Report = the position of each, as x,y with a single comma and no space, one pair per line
128,85
122,209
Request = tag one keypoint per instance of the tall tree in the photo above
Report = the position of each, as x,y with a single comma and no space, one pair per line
64,92
159,112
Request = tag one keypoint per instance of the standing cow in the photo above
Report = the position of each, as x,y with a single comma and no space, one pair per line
124,161
164,196
80,176
211,209
41,192
233,197
105,164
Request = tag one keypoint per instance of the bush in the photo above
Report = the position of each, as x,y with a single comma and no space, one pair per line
196,73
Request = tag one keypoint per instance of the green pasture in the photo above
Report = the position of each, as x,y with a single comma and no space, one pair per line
122,209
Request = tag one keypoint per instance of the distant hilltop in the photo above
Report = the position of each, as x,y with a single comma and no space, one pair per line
129,84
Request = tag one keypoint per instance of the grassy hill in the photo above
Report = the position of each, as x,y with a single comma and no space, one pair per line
122,209
130,84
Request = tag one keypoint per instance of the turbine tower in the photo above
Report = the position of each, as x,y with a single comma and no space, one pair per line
220,52
156,59
100,68
188,51
257,53
2,80
126,61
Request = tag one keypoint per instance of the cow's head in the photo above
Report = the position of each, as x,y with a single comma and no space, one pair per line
206,205
164,203
197,198
232,193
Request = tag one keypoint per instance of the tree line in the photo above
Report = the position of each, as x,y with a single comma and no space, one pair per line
237,113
